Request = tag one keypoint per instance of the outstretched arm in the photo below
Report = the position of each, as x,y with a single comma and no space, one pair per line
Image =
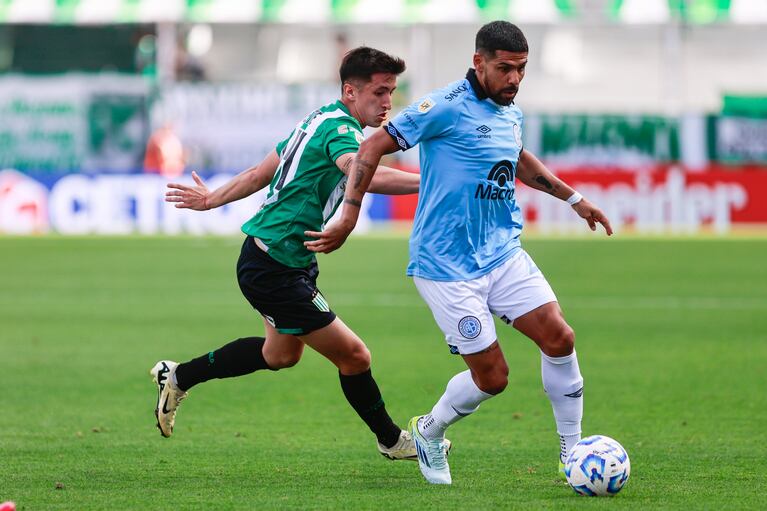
532,172
389,181
386,180
361,171
242,185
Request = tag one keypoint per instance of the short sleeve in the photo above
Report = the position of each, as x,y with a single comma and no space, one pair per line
342,137
281,145
429,117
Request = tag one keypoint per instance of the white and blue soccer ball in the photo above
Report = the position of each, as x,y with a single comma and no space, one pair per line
597,465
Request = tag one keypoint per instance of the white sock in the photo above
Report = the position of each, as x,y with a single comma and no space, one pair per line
563,383
461,398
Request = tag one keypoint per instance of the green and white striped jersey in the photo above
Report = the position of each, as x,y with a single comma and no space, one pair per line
308,186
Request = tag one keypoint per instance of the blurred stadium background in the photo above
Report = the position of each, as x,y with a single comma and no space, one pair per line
657,109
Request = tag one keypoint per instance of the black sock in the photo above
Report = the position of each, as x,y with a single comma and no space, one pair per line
239,357
362,393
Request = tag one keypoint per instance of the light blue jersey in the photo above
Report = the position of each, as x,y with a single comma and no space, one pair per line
467,222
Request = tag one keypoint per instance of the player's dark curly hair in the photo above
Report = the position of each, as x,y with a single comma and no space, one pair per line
363,62
500,35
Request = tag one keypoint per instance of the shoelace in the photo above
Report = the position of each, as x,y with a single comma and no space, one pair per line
437,454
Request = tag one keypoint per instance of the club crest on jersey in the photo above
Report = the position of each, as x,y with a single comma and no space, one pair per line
343,129
426,105
358,137
470,327
517,134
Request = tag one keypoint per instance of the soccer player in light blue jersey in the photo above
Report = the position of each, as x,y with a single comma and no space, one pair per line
465,254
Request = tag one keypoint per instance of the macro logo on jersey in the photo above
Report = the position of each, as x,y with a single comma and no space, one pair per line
470,327
501,179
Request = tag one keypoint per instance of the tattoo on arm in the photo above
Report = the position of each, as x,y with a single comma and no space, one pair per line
347,165
352,202
363,168
552,189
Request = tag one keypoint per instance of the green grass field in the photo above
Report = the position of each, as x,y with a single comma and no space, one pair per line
672,342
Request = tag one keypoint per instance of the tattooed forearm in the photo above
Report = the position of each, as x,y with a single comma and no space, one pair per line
353,202
362,169
546,184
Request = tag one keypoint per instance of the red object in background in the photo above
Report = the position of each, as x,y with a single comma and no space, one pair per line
403,206
752,181
8,506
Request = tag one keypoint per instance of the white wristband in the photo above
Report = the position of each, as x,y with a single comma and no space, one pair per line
574,199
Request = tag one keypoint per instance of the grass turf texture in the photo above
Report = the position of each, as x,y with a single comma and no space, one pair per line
672,342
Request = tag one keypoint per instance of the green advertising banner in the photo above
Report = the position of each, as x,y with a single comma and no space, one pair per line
607,140
72,122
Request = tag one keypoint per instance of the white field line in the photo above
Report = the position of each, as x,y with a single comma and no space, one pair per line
402,300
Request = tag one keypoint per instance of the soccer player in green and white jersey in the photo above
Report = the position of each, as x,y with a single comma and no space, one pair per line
307,174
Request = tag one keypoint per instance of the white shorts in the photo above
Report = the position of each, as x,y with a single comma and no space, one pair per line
464,309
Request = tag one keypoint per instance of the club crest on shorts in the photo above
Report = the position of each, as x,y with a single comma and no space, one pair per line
470,327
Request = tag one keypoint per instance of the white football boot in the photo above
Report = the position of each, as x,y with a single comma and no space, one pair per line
168,395
432,455
405,449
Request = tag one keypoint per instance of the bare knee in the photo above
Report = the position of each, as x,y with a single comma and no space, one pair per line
356,361
561,341
493,382
283,360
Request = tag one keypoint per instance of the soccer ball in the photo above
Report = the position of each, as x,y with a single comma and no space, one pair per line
597,465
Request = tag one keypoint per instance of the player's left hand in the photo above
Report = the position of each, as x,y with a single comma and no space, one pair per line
331,238
592,215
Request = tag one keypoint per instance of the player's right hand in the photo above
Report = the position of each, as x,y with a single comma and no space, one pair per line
191,197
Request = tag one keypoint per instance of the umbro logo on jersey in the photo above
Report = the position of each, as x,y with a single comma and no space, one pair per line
484,130
397,136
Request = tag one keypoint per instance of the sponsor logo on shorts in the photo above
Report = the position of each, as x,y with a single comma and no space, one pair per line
319,301
470,327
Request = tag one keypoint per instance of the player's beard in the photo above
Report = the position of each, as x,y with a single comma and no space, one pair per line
504,100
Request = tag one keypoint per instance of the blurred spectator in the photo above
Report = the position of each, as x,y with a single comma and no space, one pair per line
164,153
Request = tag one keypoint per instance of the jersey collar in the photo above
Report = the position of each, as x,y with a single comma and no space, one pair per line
340,104
471,76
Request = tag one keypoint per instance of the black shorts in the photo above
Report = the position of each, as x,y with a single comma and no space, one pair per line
287,297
